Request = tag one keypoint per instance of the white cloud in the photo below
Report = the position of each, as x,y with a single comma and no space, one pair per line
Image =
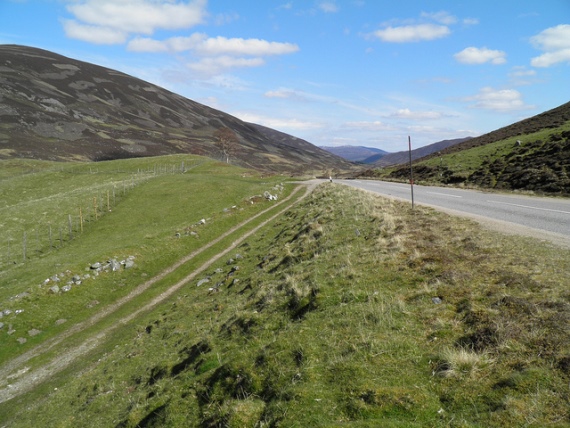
555,43
285,93
368,126
521,76
522,72
137,16
174,44
221,64
412,33
501,100
470,21
279,123
472,55
280,93
442,17
202,45
218,54
328,7
416,115
237,46
93,33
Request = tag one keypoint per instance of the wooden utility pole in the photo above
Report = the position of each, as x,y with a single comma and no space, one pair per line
411,170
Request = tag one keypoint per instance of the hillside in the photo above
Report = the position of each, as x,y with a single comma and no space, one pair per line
345,310
355,153
58,108
551,119
530,155
403,156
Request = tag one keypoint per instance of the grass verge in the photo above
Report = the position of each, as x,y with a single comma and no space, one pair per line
348,310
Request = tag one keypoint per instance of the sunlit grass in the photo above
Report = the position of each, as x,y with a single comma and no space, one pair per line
349,310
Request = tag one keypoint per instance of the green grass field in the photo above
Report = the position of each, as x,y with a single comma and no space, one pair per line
143,222
348,310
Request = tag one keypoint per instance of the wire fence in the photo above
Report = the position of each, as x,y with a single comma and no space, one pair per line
36,240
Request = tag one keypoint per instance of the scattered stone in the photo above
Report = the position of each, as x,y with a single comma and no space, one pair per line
115,265
96,266
1,325
11,330
269,196
239,257
129,264
60,321
18,311
357,232
230,262
436,300
193,234
55,278
177,234
21,340
34,332
219,270
21,295
7,312
203,221
203,281
54,289
76,279
66,288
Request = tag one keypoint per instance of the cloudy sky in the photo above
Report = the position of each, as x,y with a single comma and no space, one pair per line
334,72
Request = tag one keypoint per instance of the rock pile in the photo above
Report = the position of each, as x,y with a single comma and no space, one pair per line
62,283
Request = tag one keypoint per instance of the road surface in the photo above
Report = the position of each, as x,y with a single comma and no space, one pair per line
544,217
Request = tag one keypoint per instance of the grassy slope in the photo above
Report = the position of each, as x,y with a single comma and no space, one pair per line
143,224
333,323
501,164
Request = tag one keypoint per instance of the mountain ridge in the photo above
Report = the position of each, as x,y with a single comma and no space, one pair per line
355,153
58,108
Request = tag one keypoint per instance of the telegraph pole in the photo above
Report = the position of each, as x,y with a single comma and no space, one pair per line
411,170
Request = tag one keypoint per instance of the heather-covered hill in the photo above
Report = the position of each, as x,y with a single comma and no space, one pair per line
58,108
531,155
403,156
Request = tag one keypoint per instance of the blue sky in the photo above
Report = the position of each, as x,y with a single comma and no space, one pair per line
333,72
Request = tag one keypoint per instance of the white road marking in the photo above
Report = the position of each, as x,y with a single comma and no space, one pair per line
445,194
532,208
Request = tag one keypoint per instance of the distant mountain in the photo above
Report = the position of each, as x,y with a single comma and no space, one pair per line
356,153
57,108
404,156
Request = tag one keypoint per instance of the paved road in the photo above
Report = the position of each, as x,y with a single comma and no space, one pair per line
543,214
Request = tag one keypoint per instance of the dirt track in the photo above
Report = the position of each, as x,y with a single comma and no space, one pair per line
24,379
